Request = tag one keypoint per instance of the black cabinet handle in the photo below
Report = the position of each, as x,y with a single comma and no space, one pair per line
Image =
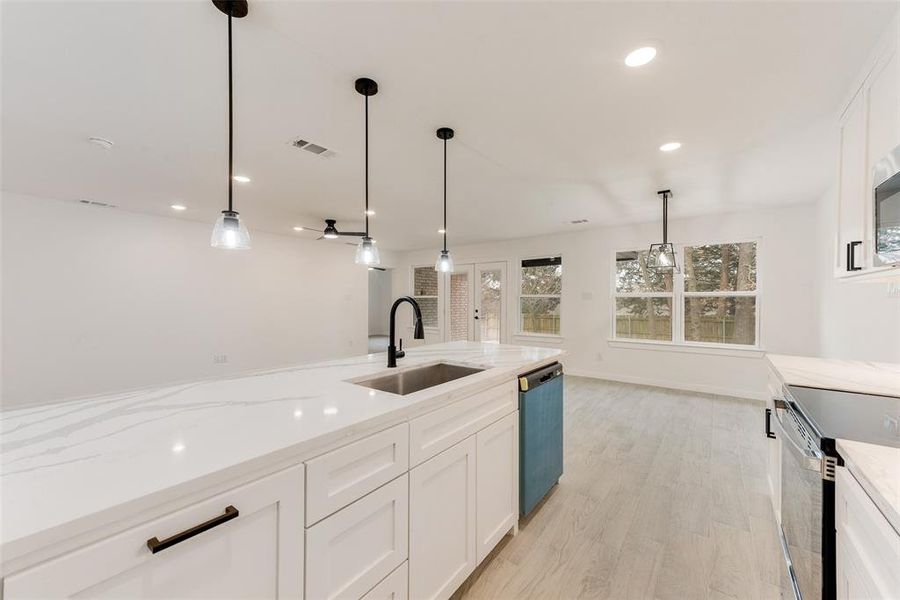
851,256
156,545
769,433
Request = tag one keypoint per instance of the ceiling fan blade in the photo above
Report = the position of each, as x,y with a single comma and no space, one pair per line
312,229
350,244
321,237
352,233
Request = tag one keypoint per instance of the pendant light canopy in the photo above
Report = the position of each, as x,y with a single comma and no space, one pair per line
444,263
229,232
662,256
366,251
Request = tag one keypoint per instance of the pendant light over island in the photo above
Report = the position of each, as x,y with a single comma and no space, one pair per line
366,251
444,263
229,232
662,256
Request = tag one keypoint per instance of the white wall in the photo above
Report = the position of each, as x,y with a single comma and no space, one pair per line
379,301
857,320
788,302
96,300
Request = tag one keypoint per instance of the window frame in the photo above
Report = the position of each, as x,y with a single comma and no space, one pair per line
440,293
678,303
526,335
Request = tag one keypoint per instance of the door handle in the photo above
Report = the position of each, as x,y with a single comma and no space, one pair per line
769,432
156,545
851,256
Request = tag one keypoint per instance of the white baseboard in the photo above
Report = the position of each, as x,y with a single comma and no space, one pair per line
672,385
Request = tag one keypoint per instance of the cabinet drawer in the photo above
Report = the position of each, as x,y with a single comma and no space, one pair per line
863,531
338,478
435,432
393,587
352,550
258,554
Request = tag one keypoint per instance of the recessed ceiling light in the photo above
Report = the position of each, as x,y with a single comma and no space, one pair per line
241,179
179,207
370,212
298,228
670,146
330,410
177,447
640,57
442,231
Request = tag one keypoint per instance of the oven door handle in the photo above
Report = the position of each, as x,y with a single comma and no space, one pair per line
810,460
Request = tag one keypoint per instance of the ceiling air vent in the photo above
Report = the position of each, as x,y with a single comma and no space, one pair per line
578,221
96,203
316,149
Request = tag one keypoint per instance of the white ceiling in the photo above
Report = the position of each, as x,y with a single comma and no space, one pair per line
551,126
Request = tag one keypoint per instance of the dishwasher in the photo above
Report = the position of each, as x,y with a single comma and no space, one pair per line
540,434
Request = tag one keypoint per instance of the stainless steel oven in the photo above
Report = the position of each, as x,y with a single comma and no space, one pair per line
803,503
886,180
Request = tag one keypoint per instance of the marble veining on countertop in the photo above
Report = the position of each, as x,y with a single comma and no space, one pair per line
877,469
844,375
69,461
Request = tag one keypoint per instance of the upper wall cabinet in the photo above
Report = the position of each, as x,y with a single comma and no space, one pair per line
869,128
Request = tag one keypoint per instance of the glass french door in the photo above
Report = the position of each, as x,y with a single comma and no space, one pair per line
475,309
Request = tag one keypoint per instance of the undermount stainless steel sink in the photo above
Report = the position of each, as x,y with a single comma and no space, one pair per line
413,380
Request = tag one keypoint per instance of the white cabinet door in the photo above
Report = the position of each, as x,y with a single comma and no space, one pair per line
497,482
773,459
442,522
348,553
852,183
257,554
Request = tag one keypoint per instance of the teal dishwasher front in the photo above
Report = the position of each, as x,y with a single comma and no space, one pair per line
540,434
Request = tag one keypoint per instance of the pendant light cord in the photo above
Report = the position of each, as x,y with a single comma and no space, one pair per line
230,122
367,166
445,195
665,218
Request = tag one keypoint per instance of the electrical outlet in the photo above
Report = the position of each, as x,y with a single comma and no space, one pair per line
220,359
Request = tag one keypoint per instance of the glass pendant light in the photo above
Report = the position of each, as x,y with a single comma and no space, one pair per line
662,256
444,262
366,251
229,231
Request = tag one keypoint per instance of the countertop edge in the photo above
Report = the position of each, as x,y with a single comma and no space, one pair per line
890,510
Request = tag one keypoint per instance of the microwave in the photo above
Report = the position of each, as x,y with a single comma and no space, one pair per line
887,210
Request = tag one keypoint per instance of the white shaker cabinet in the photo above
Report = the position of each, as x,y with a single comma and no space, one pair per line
868,130
497,482
253,549
442,548
348,553
851,184
868,547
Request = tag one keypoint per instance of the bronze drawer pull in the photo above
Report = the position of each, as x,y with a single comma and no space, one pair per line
156,545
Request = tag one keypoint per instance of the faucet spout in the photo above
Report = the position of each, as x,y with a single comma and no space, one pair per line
418,332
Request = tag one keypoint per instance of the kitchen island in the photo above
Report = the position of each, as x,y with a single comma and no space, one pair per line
80,473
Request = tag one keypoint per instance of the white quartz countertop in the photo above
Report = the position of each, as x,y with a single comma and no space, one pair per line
845,375
73,466
877,469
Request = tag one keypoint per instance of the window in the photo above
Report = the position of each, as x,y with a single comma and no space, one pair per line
714,300
540,295
425,292
720,293
644,299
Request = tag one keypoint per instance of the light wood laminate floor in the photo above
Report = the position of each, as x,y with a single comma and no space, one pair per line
663,496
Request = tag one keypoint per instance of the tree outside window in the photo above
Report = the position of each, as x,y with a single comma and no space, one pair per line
540,297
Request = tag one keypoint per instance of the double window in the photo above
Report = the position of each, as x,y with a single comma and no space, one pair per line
714,300
540,295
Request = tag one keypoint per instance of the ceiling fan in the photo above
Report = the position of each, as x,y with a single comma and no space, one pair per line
331,232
